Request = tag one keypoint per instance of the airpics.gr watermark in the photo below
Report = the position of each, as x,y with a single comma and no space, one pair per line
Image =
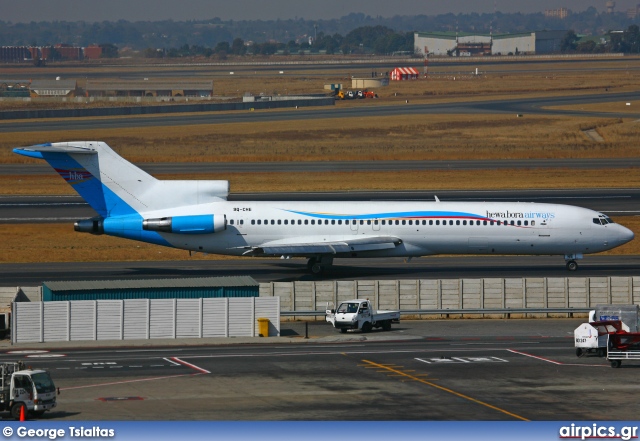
596,431
72,432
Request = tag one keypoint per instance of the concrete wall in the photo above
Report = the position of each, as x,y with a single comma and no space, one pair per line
434,297
148,110
142,319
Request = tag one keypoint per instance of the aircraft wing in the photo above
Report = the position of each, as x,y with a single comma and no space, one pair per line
306,246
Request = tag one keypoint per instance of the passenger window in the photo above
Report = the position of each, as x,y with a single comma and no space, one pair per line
368,222
306,221
437,222
259,222
375,222
313,221
513,223
533,223
457,222
241,222
519,223
286,221
430,222
484,222
231,222
361,222
299,221
526,223
339,222
279,222
253,221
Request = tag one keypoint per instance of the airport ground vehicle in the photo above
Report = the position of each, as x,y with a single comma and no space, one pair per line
359,314
592,337
21,386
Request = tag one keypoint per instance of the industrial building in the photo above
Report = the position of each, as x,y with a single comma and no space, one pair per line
53,88
464,44
184,288
146,88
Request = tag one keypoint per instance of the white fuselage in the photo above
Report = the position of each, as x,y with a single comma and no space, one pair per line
424,228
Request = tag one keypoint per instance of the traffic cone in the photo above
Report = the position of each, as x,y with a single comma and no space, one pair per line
22,416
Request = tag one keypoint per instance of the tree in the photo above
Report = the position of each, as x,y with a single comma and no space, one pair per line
568,43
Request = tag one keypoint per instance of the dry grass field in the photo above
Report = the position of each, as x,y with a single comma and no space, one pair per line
408,137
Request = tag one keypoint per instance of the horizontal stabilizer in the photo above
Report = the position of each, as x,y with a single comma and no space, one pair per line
35,150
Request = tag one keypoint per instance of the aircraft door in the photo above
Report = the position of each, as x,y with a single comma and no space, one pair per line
354,226
376,225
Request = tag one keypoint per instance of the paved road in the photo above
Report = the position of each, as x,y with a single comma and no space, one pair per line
614,202
427,371
502,106
277,270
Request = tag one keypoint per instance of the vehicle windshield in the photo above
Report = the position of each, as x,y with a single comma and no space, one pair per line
348,308
43,383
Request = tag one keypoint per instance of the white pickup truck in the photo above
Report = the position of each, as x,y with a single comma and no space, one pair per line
359,314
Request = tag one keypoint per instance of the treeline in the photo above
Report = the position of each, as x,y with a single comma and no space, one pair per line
142,35
378,40
627,41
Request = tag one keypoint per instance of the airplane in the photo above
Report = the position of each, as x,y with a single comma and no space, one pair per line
195,215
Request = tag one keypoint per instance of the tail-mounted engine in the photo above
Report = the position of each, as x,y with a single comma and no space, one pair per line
198,224
94,226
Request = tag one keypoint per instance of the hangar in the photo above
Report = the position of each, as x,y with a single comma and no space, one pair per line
460,44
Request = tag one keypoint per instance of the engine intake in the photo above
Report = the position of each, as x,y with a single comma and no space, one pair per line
198,224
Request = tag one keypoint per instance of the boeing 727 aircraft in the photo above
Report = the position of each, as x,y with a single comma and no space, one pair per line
196,216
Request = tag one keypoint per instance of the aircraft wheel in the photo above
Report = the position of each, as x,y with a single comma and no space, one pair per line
312,261
316,269
572,265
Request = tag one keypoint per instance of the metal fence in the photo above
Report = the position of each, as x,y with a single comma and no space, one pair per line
142,319
502,296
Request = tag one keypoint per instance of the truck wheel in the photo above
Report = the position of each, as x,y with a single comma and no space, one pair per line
579,352
343,330
616,363
386,326
366,327
38,413
15,411
602,352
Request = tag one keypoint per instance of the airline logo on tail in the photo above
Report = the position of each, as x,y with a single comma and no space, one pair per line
74,176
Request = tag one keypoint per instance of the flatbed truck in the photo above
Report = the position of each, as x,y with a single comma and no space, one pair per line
359,314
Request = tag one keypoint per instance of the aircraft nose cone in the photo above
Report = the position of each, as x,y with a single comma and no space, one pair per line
625,235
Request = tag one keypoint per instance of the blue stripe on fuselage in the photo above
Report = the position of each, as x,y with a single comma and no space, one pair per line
394,215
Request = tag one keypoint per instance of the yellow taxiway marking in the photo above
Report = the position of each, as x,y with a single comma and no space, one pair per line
428,383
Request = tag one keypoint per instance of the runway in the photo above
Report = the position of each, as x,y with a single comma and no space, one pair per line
484,370
523,106
348,166
614,202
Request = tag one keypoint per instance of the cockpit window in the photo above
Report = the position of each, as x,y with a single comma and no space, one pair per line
602,220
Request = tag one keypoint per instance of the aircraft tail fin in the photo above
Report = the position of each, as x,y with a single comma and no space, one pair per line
113,186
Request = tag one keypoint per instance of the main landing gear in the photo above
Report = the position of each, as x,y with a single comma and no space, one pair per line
570,260
318,264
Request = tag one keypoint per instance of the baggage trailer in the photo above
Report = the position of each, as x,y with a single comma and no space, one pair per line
623,346
591,338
